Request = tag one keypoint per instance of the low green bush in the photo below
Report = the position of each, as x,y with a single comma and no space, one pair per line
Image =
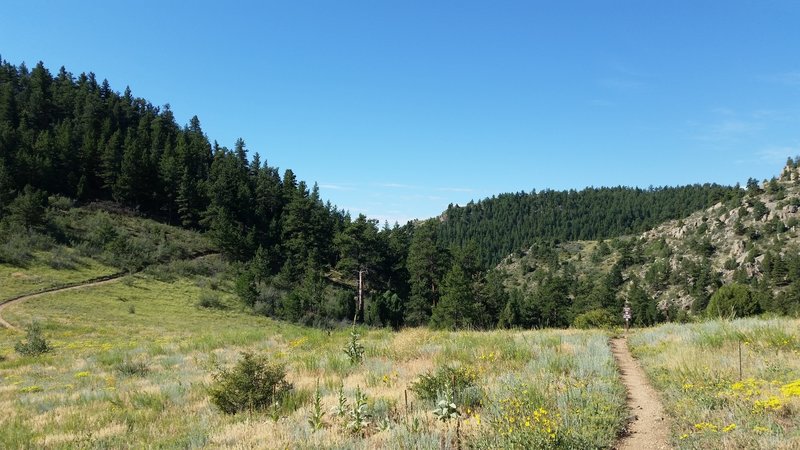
459,384
733,300
254,383
596,318
210,300
34,343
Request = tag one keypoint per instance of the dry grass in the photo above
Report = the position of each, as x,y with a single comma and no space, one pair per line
696,367
75,396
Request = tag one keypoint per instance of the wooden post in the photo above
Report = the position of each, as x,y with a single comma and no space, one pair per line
740,360
360,299
405,393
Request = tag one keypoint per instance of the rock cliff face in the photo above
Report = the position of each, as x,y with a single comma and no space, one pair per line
682,262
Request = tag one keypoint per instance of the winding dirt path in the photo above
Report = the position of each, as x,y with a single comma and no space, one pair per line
648,428
72,286
88,283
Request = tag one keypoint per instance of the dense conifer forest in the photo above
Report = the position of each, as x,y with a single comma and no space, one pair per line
296,257
509,222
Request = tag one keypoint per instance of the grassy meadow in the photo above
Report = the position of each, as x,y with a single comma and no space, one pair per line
696,368
47,270
133,360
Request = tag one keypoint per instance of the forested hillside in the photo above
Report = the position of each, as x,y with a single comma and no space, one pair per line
71,138
72,142
734,258
509,222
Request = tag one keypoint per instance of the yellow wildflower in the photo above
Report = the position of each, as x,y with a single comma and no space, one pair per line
705,426
791,389
729,428
771,404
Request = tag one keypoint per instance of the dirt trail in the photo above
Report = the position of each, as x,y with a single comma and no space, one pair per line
84,284
69,287
648,428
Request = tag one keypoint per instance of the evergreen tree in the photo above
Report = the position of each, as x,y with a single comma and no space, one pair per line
427,261
455,309
644,310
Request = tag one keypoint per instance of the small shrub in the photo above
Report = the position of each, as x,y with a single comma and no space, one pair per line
210,300
457,385
60,203
596,318
131,309
16,250
35,344
60,259
253,384
133,368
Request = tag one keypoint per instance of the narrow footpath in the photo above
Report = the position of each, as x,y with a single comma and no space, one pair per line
649,428
69,287
22,298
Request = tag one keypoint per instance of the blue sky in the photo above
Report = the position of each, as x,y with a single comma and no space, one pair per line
399,108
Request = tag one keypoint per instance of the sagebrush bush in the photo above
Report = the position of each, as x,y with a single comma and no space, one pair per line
254,383
34,343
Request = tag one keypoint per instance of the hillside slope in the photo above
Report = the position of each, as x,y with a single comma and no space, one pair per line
509,222
752,240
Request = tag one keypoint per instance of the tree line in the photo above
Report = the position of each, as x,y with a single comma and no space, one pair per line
507,223
296,255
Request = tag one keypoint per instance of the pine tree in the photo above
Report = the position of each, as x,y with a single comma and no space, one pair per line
427,261
455,309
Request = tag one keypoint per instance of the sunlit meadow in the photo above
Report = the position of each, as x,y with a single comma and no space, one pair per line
133,361
697,369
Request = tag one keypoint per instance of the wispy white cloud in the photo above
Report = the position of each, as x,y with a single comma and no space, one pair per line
416,197
398,186
337,187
